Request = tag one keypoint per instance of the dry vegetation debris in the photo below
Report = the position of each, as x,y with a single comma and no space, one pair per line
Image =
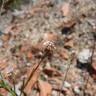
47,48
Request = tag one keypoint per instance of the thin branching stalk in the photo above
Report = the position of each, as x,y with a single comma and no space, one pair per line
22,86
91,62
13,78
66,73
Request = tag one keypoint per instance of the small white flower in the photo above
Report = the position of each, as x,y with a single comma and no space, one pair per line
49,45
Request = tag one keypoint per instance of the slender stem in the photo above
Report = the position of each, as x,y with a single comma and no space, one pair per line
22,87
33,71
65,76
91,61
2,5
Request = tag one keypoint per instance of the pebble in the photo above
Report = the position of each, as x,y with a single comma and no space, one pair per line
1,43
28,64
54,93
18,13
67,84
18,87
76,90
84,56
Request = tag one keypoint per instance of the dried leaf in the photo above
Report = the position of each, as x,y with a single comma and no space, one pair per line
3,64
52,72
94,66
65,9
37,94
69,44
3,92
94,71
5,37
24,47
68,38
50,36
67,24
45,88
29,55
33,79
64,54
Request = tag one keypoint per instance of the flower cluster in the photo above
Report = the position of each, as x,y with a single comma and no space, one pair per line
49,45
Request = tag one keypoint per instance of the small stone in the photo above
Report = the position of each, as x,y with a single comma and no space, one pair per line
84,56
5,37
28,64
1,43
17,89
67,85
54,93
76,90
48,65
18,13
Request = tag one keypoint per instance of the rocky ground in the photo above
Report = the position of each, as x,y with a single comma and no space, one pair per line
58,38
